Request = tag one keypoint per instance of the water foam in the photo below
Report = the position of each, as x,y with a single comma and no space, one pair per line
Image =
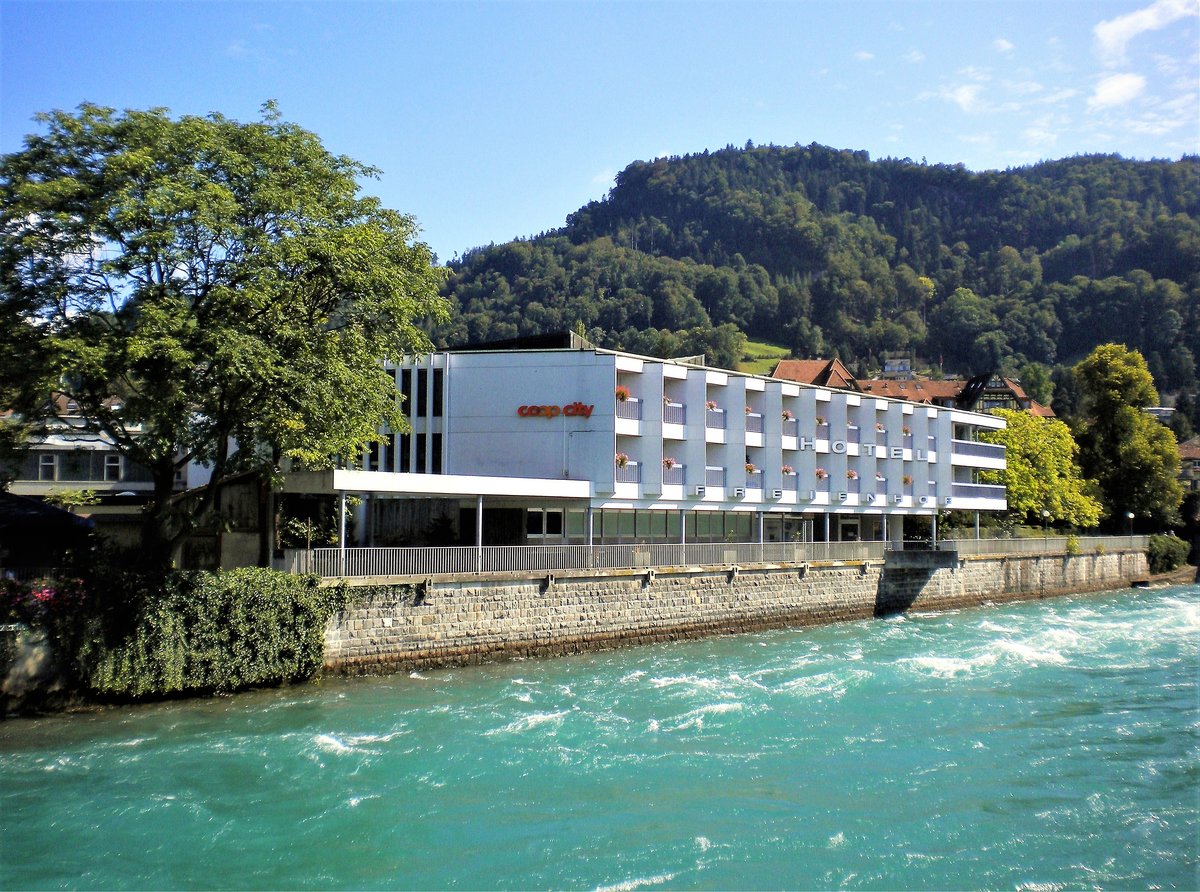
629,885
529,722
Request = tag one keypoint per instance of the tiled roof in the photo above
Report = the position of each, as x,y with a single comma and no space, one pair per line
1190,449
822,372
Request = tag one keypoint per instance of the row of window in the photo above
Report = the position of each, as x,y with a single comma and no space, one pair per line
79,465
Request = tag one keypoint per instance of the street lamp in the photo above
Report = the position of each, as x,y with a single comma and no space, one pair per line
1045,522
1129,520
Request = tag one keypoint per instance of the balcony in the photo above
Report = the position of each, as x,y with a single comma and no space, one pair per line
674,413
631,472
977,450
675,475
714,476
754,480
754,423
791,427
978,491
630,409
715,419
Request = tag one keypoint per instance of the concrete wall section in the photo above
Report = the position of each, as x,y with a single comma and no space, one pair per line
451,621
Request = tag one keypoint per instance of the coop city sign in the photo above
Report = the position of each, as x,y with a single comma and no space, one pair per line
573,410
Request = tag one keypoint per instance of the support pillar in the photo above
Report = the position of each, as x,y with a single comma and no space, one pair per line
976,524
933,525
342,533
479,534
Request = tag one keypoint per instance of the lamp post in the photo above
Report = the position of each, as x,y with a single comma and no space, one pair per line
1129,522
1045,523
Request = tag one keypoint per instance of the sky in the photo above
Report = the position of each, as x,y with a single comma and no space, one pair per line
495,120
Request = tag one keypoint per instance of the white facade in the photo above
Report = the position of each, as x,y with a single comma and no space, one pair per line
793,461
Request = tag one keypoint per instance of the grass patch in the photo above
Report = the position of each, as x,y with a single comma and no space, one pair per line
760,357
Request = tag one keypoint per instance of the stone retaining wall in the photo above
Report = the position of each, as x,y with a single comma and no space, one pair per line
455,620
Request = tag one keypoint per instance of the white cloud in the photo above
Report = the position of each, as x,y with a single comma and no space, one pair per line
236,49
864,56
1041,132
1113,34
965,97
975,73
914,56
1116,89
604,178
1003,46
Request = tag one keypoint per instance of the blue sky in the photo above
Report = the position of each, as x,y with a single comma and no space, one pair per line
495,120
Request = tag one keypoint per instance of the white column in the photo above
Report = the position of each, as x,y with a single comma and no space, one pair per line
341,533
479,533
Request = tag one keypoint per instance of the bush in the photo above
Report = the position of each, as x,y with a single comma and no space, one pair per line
1166,553
195,632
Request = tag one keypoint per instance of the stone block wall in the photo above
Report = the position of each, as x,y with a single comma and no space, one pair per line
455,620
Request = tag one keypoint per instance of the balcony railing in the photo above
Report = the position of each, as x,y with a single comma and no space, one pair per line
754,480
715,419
852,433
791,427
674,413
676,475
629,473
977,491
630,409
754,423
714,476
976,450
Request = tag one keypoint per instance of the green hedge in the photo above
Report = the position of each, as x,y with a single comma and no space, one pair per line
1166,553
197,633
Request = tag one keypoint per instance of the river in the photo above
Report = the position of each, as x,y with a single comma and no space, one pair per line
1040,746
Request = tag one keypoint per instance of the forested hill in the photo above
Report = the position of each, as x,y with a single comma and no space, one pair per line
828,252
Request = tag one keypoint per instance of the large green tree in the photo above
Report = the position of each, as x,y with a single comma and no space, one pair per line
1042,473
1134,458
204,289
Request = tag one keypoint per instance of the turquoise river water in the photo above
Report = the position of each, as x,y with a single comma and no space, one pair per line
1040,746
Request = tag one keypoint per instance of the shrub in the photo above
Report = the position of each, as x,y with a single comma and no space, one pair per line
196,632
1166,553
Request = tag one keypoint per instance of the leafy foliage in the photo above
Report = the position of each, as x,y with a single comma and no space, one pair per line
190,632
1041,472
224,282
1132,456
1166,553
831,253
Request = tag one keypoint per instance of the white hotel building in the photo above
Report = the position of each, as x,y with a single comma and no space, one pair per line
577,445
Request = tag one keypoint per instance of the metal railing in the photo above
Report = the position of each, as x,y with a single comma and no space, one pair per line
358,562
754,480
674,413
754,423
977,450
714,476
630,409
1047,545
630,472
977,491
715,419
675,475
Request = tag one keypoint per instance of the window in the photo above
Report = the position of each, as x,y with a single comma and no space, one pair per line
439,377
112,467
437,454
47,467
419,407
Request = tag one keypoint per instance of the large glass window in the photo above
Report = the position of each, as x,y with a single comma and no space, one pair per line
112,467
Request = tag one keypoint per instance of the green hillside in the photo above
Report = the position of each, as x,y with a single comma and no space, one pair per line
827,252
